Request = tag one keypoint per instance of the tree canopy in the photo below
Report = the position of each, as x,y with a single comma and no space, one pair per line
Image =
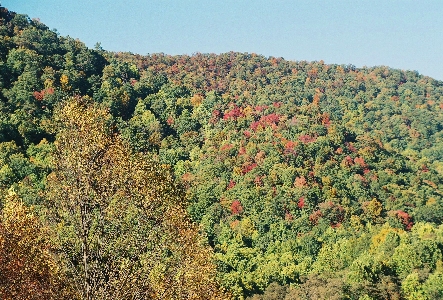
274,179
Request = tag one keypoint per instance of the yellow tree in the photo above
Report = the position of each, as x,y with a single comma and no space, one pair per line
121,218
28,265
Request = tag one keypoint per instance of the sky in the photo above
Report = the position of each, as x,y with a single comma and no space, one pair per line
403,34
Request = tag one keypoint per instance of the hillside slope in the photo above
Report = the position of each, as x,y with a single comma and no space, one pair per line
297,170
320,179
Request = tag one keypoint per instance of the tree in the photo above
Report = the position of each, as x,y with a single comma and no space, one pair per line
120,217
143,131
28,265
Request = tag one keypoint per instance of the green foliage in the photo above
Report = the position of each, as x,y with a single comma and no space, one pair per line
308,180
143,131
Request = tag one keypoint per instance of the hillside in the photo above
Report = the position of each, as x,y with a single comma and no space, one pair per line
308,180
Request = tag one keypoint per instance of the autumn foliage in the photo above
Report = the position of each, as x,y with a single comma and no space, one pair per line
127,214
29,267
126,176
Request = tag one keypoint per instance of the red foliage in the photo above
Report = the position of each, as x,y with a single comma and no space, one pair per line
333,212
348,161
359,177
226,147
277,104
301,202
305,138
289,148
336,225
313,73
315,216
170,121
260,108
247,133
39,96
254,125
215,117
248,168
290,145
268,120
404,218
300,181
241,151
174,69
236,207
351,147
271,118
216,113
231,184
234,224
326,120
275,61
288,216
234,113
360,161
187,178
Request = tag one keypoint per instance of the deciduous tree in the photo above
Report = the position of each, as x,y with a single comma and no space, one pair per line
29,268
121,218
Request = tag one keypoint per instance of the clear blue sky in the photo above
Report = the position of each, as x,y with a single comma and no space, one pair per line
404,34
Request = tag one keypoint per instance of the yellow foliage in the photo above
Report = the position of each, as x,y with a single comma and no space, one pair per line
237,171
372,209
48,83
247,111
425,231
326,180
196,100
431,201
244,228
380,237
355,222
64,80
28,268
121,208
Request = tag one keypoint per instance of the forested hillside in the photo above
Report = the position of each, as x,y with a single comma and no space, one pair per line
298,180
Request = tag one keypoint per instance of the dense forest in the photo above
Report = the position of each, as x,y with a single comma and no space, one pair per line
230,176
